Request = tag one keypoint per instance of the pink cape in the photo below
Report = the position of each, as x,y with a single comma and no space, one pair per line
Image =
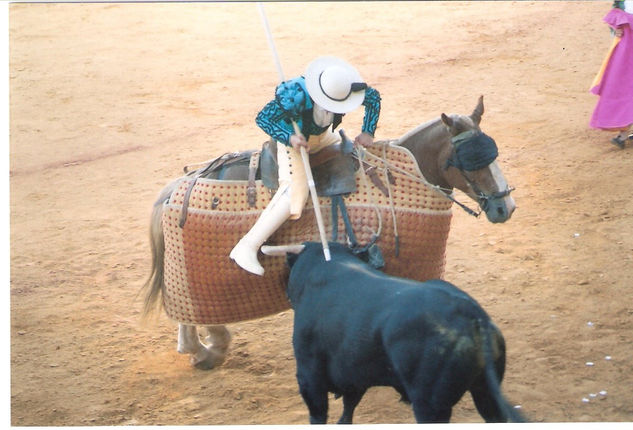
614,83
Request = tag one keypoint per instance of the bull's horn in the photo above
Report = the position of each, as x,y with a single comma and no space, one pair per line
282,249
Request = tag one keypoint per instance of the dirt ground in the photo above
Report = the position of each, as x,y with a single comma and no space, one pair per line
109,101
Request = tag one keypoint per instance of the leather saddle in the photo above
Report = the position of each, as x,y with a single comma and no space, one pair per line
332,168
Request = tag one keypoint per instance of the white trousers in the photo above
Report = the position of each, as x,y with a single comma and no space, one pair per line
292,174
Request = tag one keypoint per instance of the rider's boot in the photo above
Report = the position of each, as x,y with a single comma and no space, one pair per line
245,252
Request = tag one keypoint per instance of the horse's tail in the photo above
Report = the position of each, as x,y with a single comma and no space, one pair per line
155,282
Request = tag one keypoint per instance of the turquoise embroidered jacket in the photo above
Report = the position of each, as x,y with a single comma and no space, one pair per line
276,122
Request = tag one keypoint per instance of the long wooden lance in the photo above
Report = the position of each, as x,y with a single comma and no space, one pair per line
304,154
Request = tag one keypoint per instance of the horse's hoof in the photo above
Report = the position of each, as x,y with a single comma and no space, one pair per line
207,359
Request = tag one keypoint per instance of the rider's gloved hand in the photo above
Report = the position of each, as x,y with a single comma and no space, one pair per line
364,139
297,141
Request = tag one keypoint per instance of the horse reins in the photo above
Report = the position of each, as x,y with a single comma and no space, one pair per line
445,192
474,150
483,198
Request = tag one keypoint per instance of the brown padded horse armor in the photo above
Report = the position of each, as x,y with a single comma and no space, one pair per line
203,286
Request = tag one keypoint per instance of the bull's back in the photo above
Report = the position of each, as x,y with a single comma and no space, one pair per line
374,325
340,324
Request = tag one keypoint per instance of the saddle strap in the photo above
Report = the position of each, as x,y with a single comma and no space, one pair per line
372,250
373,176
338,202
220,163
185,203
251,190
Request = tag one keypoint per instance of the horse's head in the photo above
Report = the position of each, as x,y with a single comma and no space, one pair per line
469,164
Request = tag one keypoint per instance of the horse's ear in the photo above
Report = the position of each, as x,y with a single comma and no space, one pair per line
479,111
447,120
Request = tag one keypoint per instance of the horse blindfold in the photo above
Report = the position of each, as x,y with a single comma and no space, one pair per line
473,150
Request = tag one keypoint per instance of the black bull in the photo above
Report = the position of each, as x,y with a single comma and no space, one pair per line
356,327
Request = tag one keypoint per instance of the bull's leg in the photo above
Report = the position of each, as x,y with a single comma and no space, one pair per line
426,414
433,388
425,407
350,401
314,392
202,356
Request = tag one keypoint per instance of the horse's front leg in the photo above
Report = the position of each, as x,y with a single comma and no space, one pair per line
203,356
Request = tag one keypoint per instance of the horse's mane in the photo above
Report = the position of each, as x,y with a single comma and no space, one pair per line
429,128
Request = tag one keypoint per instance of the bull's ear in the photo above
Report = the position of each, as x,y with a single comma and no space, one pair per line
282,250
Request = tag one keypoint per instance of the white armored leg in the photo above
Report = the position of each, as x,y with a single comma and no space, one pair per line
245,252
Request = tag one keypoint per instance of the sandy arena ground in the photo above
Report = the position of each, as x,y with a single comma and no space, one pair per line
109,101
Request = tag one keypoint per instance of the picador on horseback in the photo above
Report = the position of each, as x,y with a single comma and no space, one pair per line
394,197
316,102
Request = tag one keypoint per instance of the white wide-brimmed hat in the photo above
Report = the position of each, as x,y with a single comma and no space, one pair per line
334,85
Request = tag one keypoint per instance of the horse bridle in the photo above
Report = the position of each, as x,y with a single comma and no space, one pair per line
483,198
475,137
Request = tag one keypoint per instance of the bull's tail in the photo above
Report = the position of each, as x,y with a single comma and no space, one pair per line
493,382
154,285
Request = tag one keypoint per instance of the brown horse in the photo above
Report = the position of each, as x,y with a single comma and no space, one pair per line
450,151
